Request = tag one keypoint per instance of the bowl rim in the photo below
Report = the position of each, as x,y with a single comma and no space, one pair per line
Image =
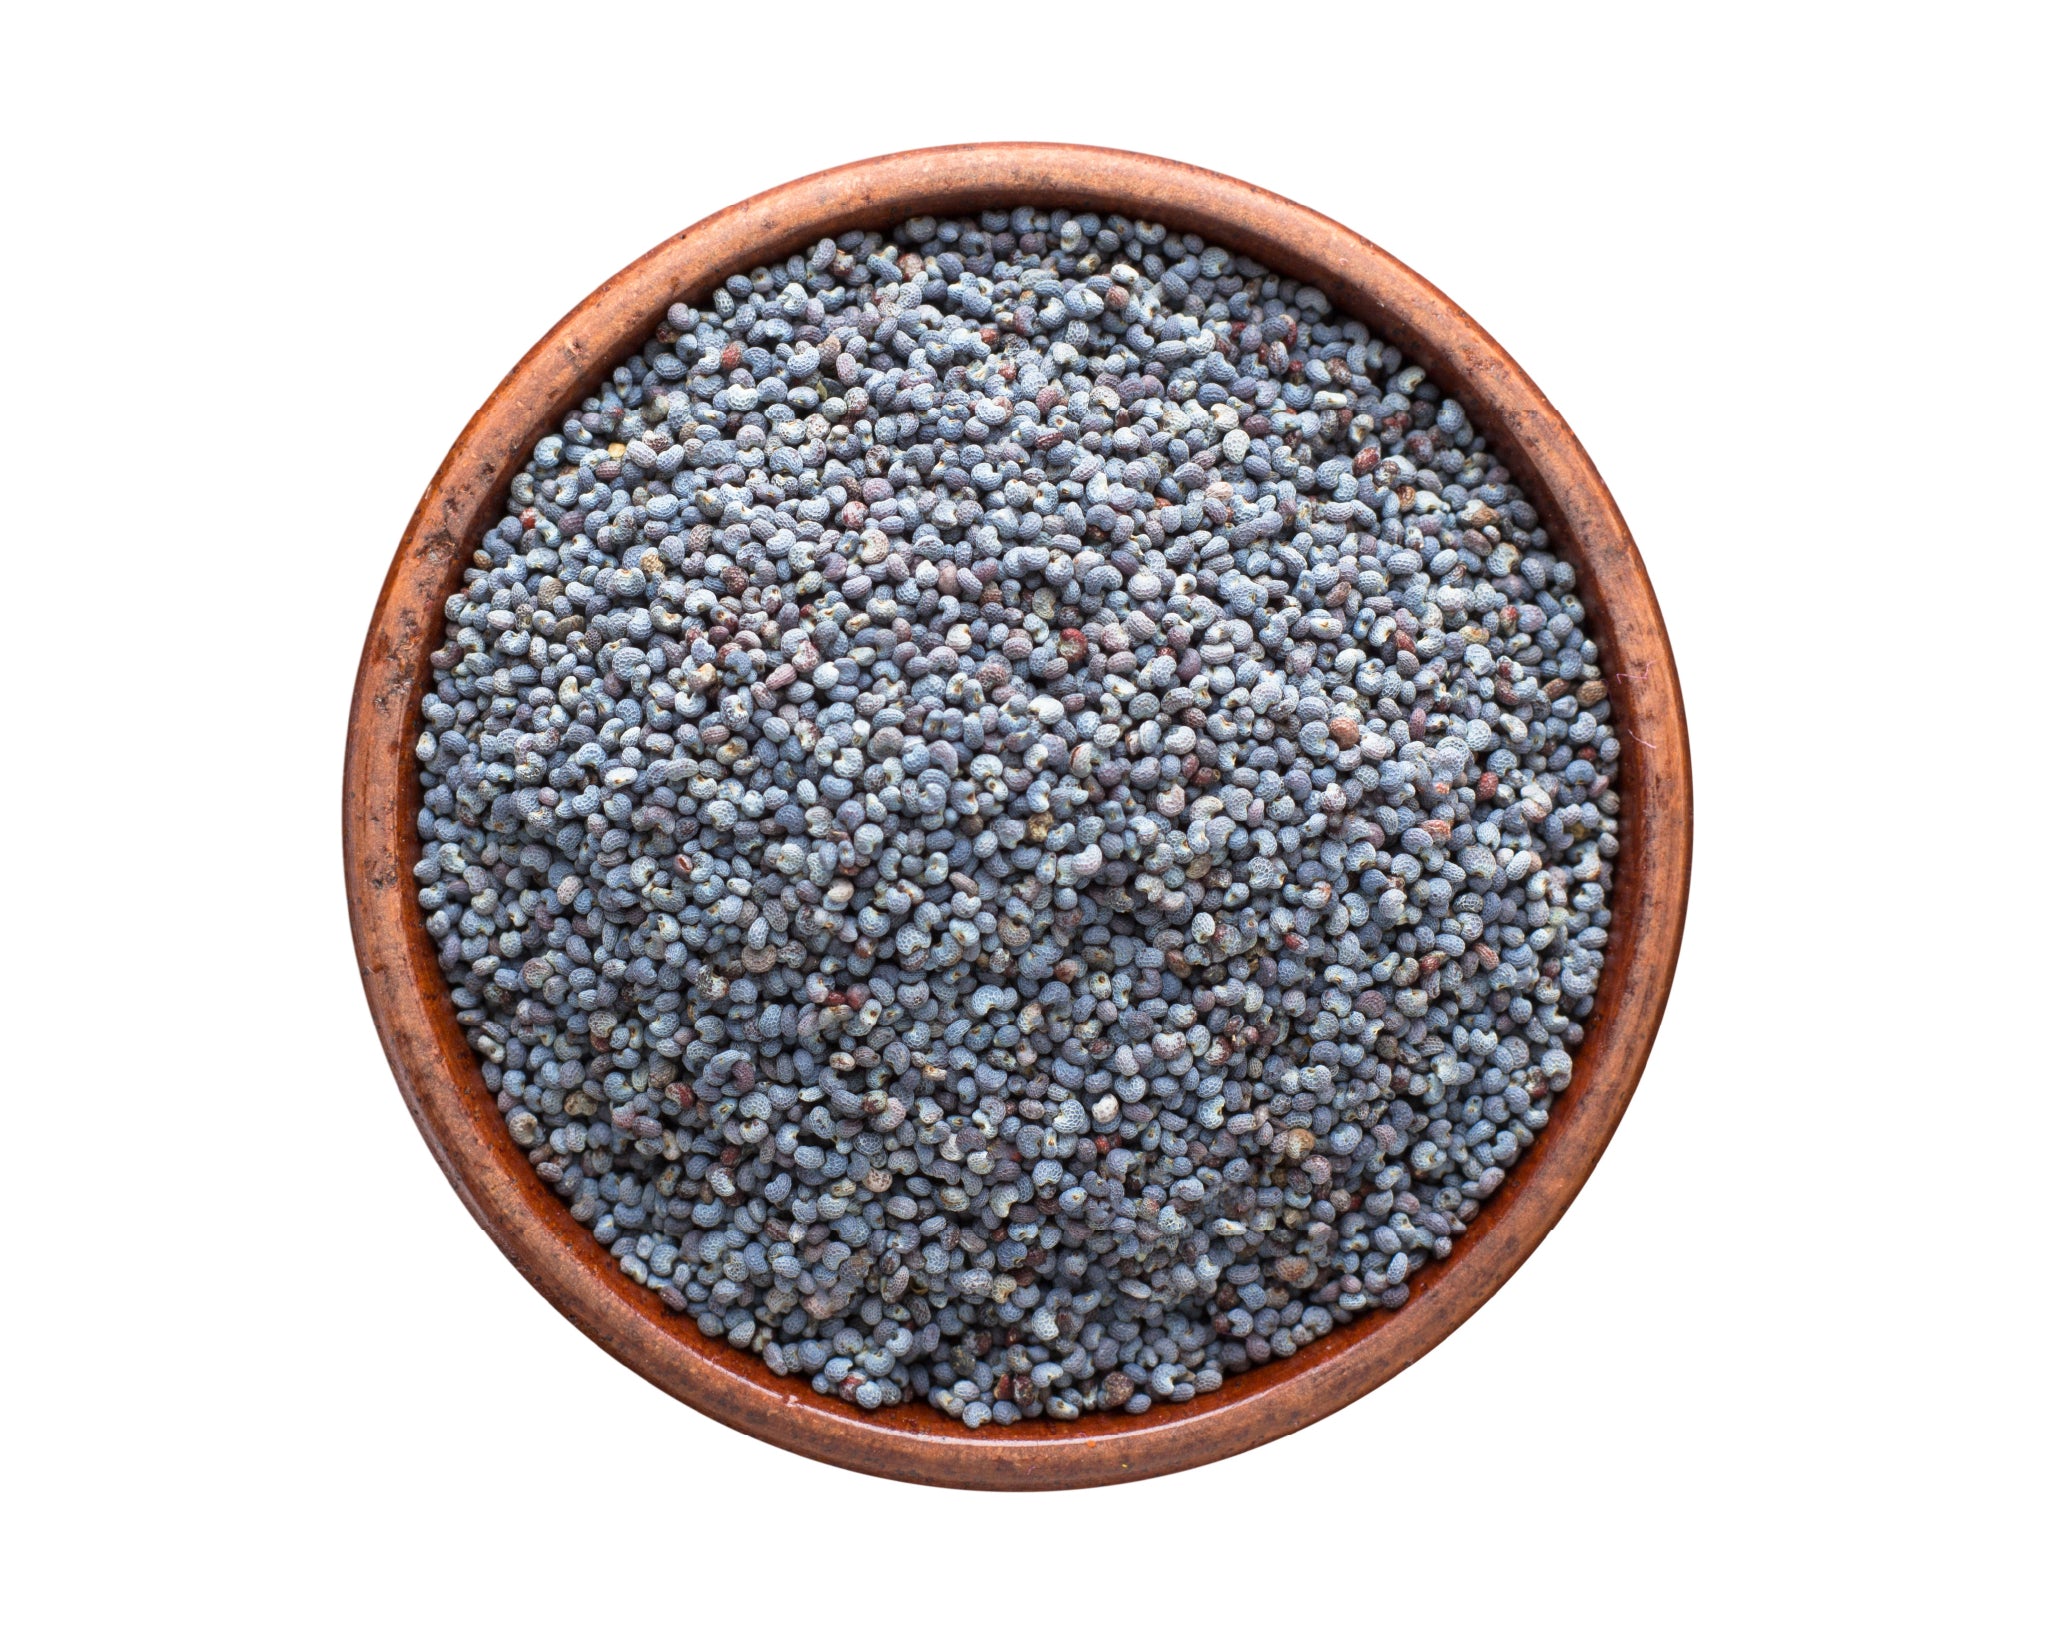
433,1063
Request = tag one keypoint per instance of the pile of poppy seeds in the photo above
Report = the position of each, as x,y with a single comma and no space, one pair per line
1019,814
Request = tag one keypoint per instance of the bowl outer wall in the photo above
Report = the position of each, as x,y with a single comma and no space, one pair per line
434,1065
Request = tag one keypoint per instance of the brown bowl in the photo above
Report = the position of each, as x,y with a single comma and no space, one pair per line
437,1072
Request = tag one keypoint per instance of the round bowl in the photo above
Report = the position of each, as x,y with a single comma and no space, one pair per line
434,1065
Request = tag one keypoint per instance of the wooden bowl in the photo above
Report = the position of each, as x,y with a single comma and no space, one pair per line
437,1072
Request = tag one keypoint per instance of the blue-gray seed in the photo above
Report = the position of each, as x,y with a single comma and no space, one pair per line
1019,814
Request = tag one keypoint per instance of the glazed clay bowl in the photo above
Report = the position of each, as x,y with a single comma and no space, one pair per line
459,1117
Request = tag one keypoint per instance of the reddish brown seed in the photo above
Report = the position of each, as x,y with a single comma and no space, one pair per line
1344,730
1489,783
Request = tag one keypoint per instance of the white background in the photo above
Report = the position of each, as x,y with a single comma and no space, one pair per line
1778,1371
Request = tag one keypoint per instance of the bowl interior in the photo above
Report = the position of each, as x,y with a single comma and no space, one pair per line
459,1116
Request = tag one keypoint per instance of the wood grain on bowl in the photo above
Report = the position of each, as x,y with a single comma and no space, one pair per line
459,1117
